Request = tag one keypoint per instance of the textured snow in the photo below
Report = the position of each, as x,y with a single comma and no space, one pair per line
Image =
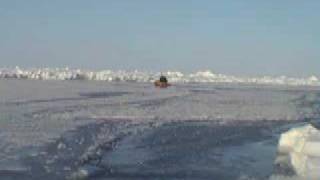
72,122
143,76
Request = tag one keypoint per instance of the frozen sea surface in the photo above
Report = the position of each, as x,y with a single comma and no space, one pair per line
98,130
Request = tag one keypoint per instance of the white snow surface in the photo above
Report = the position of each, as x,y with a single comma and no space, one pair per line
144,76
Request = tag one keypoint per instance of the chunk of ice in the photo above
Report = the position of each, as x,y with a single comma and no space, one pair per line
303,147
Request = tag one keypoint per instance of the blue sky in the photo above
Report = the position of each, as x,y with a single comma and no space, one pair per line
245,37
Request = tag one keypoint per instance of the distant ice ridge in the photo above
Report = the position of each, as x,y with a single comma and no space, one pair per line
144,76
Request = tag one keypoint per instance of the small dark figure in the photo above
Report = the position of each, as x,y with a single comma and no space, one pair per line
162,82
163,79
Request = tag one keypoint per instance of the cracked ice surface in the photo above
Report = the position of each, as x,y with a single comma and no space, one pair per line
36,113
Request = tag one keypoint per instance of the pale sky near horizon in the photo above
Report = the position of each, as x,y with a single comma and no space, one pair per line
240,37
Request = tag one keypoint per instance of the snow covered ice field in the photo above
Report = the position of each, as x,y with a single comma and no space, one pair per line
121,130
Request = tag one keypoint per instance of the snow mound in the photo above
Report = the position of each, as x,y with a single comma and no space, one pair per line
143,76
303,147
